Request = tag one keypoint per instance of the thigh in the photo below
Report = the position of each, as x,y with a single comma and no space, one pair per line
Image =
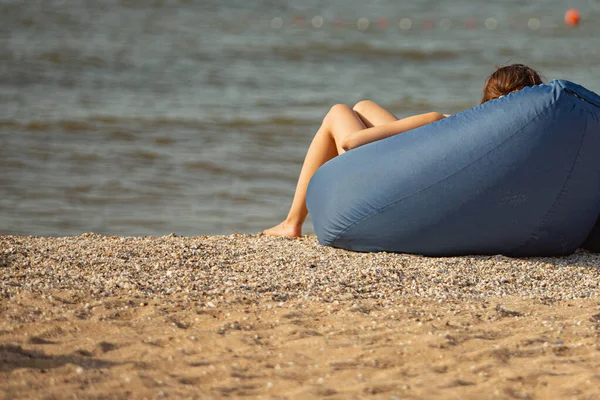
372,114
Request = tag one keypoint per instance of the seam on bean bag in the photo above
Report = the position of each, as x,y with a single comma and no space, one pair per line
558,196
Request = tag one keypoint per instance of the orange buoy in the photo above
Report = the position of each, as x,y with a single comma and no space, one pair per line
572,17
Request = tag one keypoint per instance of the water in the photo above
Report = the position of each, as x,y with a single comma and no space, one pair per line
139,117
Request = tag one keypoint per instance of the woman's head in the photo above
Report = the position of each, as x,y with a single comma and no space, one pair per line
509,79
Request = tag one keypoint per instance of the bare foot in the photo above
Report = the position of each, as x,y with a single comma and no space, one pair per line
286,229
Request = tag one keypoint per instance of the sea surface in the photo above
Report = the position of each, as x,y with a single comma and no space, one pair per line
151,117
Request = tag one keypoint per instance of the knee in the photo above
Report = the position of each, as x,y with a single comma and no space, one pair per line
363,105
337,110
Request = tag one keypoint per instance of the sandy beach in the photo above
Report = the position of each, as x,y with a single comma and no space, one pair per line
258,317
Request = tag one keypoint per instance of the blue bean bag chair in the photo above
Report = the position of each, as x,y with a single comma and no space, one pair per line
519,176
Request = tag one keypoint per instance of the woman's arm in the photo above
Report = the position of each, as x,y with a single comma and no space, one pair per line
375,133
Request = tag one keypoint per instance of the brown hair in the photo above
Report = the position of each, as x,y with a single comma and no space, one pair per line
509,79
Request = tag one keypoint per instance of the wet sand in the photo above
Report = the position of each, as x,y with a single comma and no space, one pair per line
251,316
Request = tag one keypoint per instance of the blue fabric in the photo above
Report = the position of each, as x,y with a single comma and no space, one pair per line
519,175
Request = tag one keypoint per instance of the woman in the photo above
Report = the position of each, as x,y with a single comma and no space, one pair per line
346,128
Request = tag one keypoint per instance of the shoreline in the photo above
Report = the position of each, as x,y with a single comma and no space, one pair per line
251,316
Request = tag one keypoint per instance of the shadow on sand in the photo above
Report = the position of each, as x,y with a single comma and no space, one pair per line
13,357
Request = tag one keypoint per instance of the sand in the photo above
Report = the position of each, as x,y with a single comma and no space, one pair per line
259,317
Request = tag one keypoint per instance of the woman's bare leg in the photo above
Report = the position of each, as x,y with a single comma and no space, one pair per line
340,121
372,114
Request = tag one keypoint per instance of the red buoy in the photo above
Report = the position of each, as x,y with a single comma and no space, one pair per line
572,17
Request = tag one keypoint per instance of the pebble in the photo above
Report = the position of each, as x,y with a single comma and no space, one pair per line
208,267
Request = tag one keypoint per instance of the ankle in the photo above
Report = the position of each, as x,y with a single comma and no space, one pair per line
293,221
